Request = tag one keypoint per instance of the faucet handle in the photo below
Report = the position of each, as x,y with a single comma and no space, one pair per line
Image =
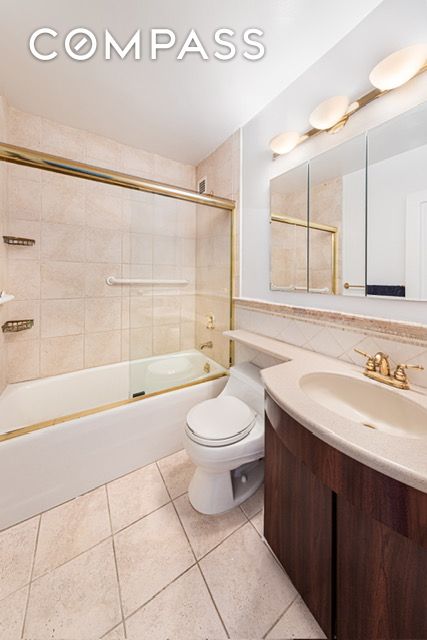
370,360
400,374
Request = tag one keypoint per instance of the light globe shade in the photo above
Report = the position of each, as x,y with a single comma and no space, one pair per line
329,112
399,67
285,142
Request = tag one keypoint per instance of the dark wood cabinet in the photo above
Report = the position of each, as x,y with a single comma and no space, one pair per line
353,540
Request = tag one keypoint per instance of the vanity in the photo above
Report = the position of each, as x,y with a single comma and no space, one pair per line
345,493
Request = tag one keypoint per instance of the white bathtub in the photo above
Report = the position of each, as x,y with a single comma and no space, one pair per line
48,466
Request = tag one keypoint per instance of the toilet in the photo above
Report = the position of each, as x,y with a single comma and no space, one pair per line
224,437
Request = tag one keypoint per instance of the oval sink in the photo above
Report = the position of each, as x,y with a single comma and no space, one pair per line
369,404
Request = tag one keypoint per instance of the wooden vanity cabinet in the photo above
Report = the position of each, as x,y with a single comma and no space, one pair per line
352,540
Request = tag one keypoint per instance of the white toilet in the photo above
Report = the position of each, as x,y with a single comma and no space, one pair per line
224,437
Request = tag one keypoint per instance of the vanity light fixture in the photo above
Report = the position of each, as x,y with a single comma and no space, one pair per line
398,68
332,114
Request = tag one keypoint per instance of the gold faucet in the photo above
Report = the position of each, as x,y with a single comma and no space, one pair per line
377,368
206,345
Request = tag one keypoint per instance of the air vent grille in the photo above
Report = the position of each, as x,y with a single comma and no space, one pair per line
202,185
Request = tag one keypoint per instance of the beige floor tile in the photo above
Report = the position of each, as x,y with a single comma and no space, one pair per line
135,495
254,504
183,611
115,634
297,622
258,522
16,555
247,584
78,600
70,529
12,611
205,532
150,554
177,471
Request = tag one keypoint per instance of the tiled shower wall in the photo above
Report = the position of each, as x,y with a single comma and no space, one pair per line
334,341
84,232
222,171
3,203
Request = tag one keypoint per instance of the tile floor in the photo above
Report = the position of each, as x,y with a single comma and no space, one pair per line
133,559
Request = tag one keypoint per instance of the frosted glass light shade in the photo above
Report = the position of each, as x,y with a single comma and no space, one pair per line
285,142
399,67
329,112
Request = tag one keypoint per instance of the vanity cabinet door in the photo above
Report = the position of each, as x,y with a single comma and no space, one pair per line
381,580
298,526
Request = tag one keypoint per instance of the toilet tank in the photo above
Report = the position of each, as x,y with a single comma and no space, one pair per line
245,383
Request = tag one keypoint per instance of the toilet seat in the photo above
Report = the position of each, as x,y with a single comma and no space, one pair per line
220,421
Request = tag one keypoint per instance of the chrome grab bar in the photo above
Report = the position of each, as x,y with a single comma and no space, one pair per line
111,280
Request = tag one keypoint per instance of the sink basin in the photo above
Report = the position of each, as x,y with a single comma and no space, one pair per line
372,406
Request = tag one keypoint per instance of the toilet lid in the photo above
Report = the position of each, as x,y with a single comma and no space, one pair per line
220,421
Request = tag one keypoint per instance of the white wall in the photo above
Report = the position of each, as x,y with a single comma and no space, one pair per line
343,70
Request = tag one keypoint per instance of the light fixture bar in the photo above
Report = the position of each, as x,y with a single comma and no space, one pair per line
361,102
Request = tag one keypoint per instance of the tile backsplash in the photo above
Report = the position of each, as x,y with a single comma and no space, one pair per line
334,341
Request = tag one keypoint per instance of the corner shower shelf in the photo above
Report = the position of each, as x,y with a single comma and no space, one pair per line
111,280
6,297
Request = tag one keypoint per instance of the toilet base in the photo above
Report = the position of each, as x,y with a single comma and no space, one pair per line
215,492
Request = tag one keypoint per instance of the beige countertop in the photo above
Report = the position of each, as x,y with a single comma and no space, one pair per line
399,457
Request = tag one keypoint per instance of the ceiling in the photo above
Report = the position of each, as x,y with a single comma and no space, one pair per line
182,110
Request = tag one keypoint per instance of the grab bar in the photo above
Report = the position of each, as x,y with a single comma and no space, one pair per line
293,288
347,285
111,280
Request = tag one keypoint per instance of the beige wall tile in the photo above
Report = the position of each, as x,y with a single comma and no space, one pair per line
140,343
60,355
165,339
24,279
102,348
62,318
103,207
24,199
12,611
59,139
104,245
63,199
63,280
23,360
25,130
103,314
164,250
65,242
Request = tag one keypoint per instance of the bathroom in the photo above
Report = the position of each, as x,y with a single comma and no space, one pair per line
213,356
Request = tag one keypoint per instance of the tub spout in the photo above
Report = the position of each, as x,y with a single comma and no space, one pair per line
206,345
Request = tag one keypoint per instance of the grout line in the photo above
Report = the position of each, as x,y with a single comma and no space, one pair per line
195,557
281,616
115,563
213,601
141,606
112,629
31,576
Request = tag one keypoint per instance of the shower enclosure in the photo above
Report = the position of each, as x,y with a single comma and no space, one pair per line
133,290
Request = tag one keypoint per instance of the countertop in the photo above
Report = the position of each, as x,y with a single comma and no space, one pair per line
401,458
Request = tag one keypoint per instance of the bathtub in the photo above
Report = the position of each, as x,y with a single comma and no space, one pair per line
65,435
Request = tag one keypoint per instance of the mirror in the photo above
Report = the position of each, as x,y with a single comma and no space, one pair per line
397,207
353,221
337,201
288,220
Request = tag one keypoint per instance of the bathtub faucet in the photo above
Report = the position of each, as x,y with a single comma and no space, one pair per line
206,345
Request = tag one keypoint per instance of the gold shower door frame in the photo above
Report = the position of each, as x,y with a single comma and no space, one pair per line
318,227
57,164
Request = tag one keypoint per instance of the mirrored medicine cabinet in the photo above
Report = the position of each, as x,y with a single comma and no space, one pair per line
353,220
